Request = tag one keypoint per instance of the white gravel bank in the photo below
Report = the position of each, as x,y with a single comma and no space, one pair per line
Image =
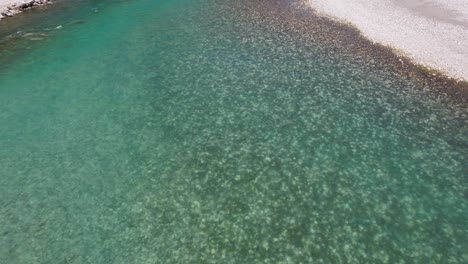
13,7
432,32
6,3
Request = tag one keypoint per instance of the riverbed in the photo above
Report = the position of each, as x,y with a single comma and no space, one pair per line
211,131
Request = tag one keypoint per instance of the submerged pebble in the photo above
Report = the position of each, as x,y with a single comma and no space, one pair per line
241,131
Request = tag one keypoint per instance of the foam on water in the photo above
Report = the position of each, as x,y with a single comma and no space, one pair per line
211,131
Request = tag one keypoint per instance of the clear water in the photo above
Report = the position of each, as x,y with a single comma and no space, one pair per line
212,131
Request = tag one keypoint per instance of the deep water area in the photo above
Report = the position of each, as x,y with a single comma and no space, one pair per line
216,131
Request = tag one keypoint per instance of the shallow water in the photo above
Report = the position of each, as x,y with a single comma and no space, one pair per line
211,131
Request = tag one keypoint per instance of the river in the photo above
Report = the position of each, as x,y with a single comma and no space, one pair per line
213,131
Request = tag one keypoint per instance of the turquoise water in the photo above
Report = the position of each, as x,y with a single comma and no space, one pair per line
212,131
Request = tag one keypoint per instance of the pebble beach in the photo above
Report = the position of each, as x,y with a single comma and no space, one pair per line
10,8
432,33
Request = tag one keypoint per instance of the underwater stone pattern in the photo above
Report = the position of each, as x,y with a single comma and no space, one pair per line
219,133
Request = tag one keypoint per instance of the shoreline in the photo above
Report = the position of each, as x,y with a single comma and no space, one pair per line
9,8
432,33
336,35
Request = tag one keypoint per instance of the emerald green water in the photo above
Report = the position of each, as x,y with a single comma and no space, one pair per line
213,131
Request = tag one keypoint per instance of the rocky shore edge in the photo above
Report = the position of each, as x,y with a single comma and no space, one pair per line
17,8
431,33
